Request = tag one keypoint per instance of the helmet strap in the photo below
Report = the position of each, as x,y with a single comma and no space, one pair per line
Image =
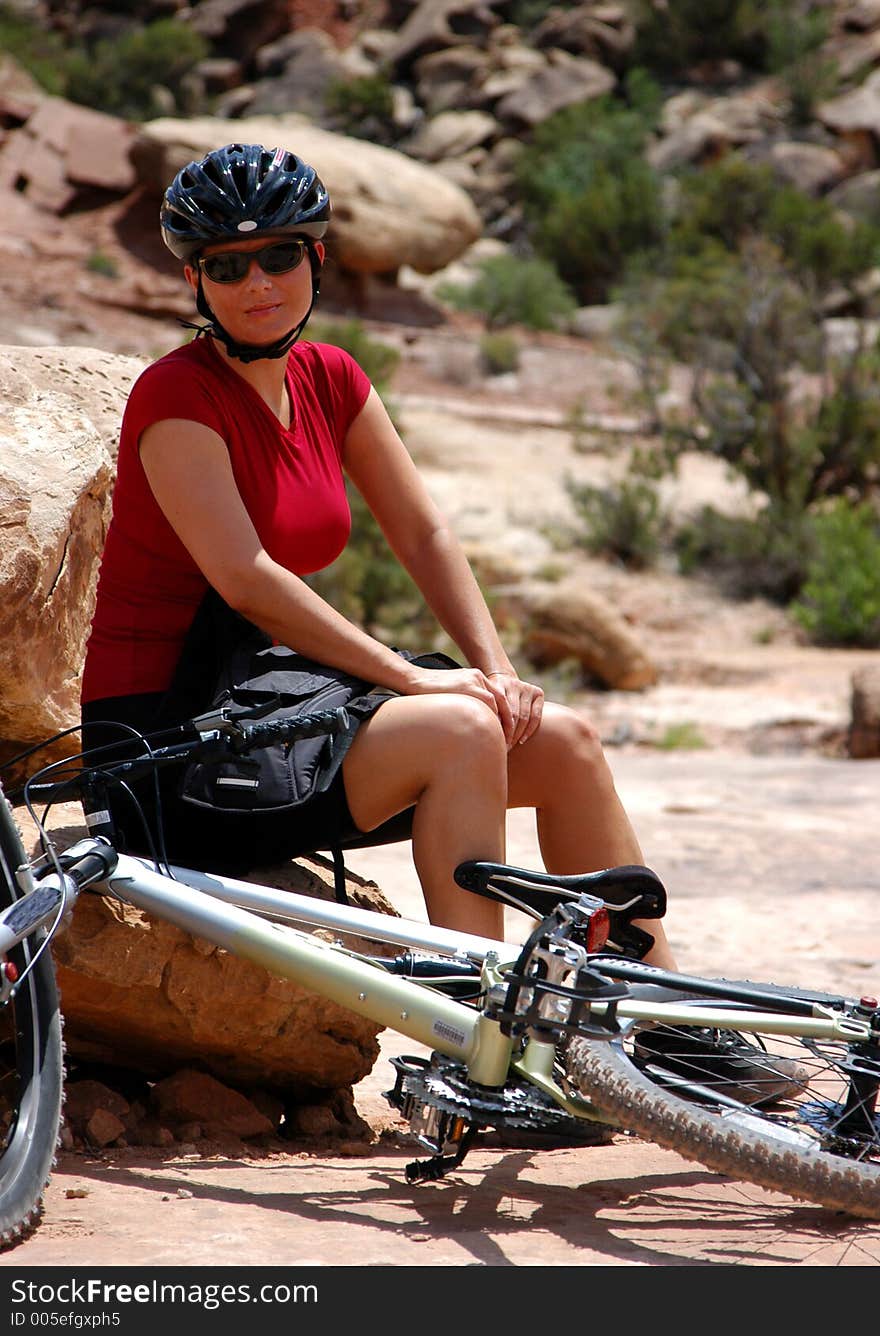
254,352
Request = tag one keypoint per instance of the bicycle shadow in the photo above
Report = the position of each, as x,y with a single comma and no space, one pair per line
682,1217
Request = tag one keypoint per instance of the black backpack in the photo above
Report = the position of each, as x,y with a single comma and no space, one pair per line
247,673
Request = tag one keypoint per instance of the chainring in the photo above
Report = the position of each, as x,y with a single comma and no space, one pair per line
442,1083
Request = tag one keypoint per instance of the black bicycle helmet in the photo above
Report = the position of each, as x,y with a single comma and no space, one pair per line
241,190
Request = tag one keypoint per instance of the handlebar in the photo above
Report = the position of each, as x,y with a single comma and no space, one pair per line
245,736
215,731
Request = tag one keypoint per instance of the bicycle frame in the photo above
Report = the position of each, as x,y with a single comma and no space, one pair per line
232,914
227,913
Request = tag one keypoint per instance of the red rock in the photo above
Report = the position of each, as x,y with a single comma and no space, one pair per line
190,1096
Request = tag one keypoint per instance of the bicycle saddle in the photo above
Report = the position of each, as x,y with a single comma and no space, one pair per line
630,891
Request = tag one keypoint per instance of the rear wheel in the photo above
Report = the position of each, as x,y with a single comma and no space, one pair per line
31,1066
815,1140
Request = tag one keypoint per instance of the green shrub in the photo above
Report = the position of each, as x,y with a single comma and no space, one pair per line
101,263
589,198
747,327
766,557
40,53
839,603
509,290
624,522
527,14
368,585
120,76
684,736
116,75
734,202
672,37
362,107
643,95
499,353
585,439
794,52
377,360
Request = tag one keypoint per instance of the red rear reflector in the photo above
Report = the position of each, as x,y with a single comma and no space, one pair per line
10,971
598,929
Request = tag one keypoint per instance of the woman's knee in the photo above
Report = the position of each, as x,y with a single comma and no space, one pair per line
463,725
425,734
414,744
565,751
571,736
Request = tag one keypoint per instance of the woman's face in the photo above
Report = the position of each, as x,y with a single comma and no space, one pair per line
260,307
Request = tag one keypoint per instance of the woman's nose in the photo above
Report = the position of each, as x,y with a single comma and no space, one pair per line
255,272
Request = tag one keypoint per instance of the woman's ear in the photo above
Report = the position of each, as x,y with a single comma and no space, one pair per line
191,275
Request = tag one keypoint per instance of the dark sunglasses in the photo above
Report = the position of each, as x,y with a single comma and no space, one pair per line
232,266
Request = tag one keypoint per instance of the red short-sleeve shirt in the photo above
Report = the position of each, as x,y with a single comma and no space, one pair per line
290,480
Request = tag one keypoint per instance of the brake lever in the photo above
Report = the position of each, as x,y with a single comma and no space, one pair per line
220,720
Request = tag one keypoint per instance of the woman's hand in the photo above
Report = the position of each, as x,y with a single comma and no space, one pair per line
518,704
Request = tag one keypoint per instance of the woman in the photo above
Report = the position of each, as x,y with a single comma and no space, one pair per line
231,472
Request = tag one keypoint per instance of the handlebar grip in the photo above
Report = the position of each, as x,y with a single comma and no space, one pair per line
89,860
264,733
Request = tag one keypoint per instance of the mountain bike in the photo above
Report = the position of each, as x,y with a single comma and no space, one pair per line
567,1035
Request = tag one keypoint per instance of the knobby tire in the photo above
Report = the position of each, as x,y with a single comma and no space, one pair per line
782,1147
31,1067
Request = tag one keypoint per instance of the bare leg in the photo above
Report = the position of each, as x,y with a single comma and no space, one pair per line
445,754
582,827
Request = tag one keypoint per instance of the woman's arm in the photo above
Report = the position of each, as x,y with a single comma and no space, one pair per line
187,466
380,466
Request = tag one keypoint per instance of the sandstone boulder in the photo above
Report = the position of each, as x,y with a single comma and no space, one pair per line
864,732
61,413
191,1105
297,71
435,24
196,1097
450,134
858,195
388,210
240,27
853,53
855,111
63,151
566,621
862,15
697,129
604,31
20,95
452,79
563,81
811,168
